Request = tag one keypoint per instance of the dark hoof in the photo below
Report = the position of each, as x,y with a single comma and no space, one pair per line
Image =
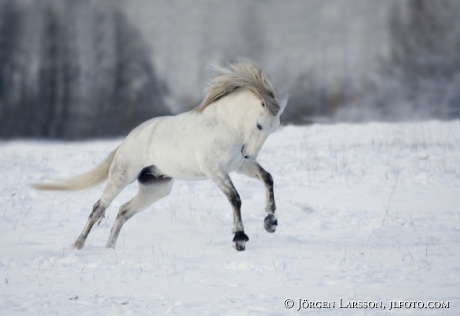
239,241
270,223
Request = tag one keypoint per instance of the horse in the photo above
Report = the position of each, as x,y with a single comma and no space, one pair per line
221,135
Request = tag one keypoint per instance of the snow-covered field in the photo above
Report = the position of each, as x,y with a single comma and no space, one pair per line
367,213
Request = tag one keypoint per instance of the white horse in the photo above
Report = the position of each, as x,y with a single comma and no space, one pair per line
223,134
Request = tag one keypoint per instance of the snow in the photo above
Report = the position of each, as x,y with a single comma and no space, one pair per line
366,213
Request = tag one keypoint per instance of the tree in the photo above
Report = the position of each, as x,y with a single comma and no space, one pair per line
73,69
425,39
10,23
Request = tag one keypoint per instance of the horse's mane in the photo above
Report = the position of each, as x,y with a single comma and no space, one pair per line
238,75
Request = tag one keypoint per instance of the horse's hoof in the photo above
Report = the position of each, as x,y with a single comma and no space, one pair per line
239,241
110,245
78,244
239,245
270,223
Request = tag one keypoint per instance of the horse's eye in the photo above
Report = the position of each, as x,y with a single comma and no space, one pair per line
259,126
263,103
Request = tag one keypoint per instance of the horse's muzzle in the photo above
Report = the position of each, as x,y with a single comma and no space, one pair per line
245,154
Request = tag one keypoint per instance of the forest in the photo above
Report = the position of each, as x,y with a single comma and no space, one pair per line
84,69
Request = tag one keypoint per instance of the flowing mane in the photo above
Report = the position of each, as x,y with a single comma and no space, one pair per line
238,75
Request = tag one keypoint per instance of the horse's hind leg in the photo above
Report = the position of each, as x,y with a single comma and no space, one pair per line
110,192
118,180
149,192
96,214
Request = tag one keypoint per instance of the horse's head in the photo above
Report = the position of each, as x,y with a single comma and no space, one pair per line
258,123
259,111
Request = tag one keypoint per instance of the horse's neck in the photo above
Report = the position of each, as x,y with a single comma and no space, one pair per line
230,110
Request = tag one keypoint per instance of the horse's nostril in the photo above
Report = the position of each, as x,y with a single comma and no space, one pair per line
242,153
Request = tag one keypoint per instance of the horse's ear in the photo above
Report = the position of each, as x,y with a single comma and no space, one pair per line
282,103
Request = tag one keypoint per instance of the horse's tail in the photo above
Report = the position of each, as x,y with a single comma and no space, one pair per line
86,180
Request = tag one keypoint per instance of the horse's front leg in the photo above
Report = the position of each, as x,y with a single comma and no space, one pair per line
251,168
224,183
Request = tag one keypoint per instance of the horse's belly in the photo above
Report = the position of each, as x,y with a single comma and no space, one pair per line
176,164
183,173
